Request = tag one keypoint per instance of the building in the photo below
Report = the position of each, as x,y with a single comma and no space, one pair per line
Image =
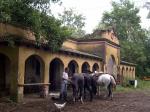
26,67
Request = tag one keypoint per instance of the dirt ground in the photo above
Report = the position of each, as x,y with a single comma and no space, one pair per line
137,101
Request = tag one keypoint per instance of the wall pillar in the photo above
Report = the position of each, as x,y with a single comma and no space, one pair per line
105,68
13,81
65,65
91,67
46,79
20,84
80,68
20,78
127,74
121,75
134,73
100,67
130,74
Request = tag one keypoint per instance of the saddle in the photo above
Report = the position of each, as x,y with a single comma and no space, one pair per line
97,75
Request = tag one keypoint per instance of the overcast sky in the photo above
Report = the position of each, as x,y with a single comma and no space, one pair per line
93,10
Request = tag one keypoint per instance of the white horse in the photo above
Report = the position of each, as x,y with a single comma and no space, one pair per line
107,81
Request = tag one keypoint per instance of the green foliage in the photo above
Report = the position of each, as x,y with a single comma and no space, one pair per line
124,18
134,40
143,84
74,21
33,14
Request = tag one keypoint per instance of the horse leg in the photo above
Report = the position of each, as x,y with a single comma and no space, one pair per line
98,90
74,92
110,91
81,94
81,88
81,99
84,92
90,92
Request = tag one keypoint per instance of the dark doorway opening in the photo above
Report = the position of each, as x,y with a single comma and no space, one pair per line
85,67
55,70
73,68
33,74
4,75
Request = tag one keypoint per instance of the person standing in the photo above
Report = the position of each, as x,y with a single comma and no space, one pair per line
64,82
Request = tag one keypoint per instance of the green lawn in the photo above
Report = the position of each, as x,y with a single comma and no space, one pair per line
141,85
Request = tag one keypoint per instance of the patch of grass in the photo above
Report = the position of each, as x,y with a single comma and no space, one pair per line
141,85
120,88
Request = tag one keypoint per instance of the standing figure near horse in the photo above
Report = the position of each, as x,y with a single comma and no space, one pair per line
106,80
64,82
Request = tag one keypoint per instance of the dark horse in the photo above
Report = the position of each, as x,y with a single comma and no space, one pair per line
82,82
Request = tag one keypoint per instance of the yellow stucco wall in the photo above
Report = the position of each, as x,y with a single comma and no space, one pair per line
127,72
110,36
70,44
47,57
6,29
100,48
12,54
91,47
18,57
112,51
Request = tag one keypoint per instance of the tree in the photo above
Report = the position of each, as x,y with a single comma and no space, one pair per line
75,22
124,17
126,22
33,14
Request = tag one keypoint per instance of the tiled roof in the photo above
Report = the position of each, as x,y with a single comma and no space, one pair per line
92,40
127,63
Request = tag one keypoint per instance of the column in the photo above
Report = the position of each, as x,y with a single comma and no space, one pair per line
45,89
20,78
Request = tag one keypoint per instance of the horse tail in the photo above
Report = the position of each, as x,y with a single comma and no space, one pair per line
113,81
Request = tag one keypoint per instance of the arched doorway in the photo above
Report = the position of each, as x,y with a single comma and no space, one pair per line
34,67
95,67
85,67
111,66
4,75
73,67
55,70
